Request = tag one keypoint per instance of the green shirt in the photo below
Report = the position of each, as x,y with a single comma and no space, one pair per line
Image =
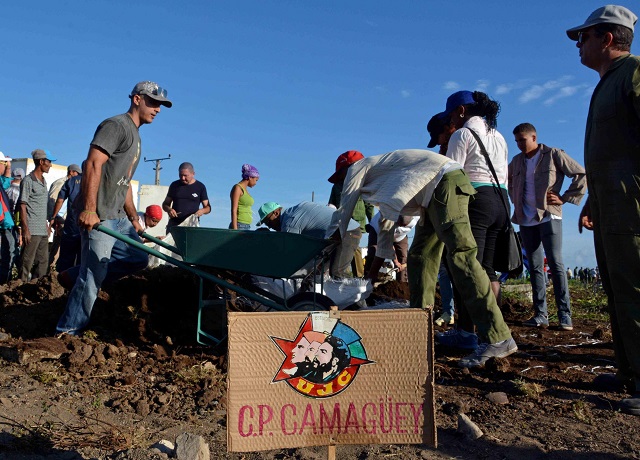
362,213
245,215
612,147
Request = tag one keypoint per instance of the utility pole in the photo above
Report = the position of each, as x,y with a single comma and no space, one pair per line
158,167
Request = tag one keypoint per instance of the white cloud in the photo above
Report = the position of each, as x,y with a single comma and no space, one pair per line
381,89
503,89
506,88
405,93
371,23
451,85
565,91
537,91
482,85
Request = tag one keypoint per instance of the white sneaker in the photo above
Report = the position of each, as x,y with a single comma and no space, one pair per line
444,319
486,351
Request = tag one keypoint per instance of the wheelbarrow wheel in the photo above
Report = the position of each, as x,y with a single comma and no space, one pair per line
308,301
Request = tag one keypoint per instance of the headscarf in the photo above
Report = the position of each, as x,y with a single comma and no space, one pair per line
249,171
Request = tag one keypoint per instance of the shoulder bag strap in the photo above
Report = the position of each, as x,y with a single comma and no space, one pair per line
493,171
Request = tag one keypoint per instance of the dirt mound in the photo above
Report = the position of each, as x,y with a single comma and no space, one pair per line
138,376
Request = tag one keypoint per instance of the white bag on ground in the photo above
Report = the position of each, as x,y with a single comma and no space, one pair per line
343,293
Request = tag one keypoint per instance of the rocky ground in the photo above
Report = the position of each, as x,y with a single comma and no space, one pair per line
138,377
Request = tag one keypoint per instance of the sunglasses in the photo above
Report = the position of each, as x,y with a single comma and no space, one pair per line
583,37
154,91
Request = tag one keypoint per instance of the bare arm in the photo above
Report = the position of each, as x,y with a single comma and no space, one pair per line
89,187
584,221
236,193
56,209
130,210
206,208
166,205
24,224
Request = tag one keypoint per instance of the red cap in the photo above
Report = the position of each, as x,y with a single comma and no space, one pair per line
154,211
345,160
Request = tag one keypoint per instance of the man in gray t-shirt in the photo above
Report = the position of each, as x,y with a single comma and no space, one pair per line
33,218
106,199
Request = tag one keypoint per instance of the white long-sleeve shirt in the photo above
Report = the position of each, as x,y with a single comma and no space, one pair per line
399,183
464,149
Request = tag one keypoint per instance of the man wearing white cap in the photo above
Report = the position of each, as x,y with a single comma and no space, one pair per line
612,162
106,198
7,225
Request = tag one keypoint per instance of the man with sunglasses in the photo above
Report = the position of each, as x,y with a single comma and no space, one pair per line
106,198
612,163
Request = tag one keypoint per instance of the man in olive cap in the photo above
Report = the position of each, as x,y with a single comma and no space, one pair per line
612,163
106,198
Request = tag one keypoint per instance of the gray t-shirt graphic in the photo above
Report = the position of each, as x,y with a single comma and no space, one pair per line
118,136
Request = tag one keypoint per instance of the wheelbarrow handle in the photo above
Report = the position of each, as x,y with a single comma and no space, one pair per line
185,266
159,242
155,240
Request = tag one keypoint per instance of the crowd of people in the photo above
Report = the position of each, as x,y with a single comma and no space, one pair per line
458,201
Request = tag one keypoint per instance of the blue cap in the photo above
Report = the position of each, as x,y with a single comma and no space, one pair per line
39,154
456,100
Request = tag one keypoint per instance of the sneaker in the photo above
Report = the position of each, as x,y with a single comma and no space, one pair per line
631,405
444,319
564,323
455,339
486,351
537,321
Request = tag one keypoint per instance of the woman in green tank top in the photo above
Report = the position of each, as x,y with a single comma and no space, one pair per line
241,201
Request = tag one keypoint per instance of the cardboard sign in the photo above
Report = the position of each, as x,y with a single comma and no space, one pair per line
328,378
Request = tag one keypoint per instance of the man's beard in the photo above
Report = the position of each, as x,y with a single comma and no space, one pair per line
304,367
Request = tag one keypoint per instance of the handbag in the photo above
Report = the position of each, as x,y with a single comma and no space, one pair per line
509,258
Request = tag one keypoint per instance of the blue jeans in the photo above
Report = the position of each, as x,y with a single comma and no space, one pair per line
446,291
547,236
242,226
103,259
70,249
7,253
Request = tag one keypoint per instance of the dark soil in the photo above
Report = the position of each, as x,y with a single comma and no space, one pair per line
139,376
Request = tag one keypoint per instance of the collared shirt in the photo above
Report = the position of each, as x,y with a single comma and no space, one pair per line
34,194
464,149
531,179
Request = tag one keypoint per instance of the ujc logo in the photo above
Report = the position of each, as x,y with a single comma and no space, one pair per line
323,359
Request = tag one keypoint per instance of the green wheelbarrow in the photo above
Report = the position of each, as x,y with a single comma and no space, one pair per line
220,256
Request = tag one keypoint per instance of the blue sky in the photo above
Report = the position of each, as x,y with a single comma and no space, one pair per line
287,86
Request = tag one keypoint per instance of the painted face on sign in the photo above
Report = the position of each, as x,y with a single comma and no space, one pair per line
324,353
310,355
300,350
